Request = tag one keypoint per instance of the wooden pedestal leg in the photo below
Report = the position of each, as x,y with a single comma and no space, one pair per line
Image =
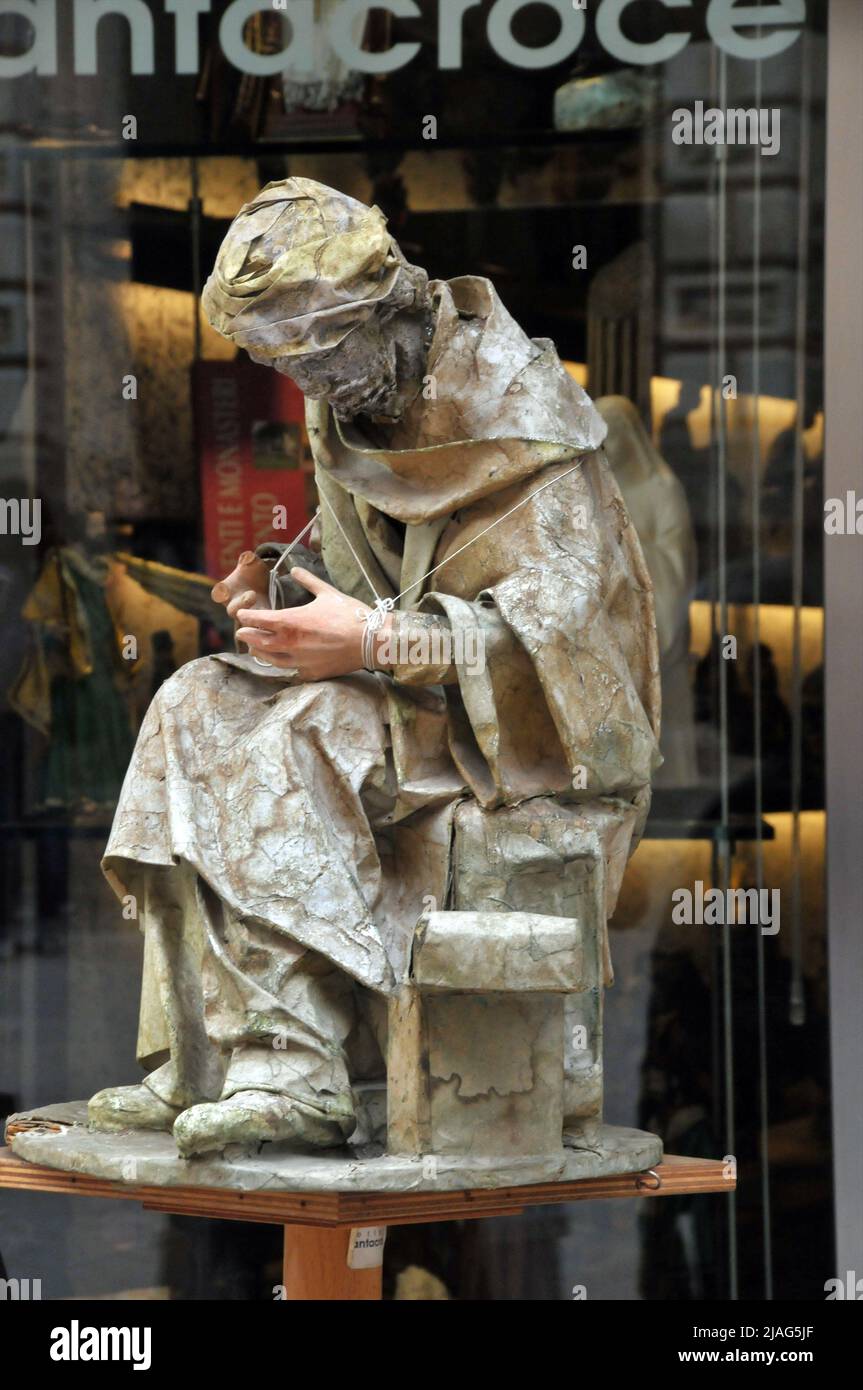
316,1266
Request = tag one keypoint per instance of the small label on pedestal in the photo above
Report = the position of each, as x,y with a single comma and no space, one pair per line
366,1247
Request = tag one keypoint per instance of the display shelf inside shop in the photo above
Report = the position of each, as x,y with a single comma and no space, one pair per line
98,148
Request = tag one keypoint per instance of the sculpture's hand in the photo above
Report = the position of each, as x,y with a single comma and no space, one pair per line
320,640
247,586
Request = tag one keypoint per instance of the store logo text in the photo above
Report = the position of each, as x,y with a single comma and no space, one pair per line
732,29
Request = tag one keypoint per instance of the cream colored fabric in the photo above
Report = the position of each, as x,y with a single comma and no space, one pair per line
320,814
279,800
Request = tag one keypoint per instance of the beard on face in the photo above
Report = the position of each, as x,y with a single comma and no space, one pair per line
375,371
359,377
356,378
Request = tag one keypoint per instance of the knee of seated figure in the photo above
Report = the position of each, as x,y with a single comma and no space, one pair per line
192,675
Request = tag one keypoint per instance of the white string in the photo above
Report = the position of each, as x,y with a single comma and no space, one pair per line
485,532
383,606
374,618
347,540
272,586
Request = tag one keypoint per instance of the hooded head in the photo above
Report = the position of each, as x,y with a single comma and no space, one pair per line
309,281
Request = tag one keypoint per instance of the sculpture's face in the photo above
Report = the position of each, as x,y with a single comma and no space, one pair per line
373,371
302,263
357,377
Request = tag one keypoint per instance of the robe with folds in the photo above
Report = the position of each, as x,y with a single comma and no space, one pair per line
319,814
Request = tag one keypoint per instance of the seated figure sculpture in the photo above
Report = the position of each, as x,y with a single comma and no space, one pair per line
480,629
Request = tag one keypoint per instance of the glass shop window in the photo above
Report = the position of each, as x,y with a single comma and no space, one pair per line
662,222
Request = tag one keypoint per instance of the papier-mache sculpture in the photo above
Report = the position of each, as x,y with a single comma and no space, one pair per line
374,852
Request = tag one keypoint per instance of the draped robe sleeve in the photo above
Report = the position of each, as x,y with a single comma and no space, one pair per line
567,700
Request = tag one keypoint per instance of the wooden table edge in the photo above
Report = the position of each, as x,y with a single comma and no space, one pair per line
675,1176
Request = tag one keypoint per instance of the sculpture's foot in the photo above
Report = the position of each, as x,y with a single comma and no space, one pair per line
254,1116
130,1107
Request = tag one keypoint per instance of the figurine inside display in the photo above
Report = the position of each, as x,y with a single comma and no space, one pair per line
606,101
74,683
82,684
374,852
657,505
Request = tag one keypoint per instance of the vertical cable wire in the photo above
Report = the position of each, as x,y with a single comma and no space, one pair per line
722,584
716,987
797,1006
761,984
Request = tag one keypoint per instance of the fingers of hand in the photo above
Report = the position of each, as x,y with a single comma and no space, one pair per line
282,644
268,619
262,641
287,624
244,600
310,581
